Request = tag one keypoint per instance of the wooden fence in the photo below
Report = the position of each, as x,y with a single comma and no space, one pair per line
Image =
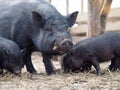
113,22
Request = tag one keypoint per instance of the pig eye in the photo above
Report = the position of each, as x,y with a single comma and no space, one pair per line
50,33
66,29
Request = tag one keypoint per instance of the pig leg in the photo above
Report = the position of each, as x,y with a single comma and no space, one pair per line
86,67
111,66
1,70
119,64
28,62
47,63
114,64
95,63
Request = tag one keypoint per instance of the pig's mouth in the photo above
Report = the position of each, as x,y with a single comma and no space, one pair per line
61,50
63,47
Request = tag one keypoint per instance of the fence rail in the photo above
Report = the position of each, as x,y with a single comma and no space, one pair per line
113,22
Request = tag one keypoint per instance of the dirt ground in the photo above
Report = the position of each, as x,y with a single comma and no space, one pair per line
73,81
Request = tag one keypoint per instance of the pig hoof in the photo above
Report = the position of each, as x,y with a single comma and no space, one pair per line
99,74
113,69
53,73
1,72
65,72
35,73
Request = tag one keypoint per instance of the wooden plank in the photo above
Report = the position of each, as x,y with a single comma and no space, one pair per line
82,29
113,26
114,15
82,18
78,38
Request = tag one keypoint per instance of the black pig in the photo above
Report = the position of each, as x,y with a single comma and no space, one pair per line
10,56
36,26
99,49
67,59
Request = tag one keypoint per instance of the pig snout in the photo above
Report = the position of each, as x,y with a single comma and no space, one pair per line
64,45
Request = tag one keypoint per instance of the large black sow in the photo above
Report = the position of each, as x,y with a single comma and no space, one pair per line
36,26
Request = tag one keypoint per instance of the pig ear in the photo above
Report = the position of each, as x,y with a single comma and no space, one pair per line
23,51
38,20
6,53
71,18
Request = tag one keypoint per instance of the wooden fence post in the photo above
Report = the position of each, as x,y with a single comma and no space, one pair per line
67,6
98,11
82,6
93,18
